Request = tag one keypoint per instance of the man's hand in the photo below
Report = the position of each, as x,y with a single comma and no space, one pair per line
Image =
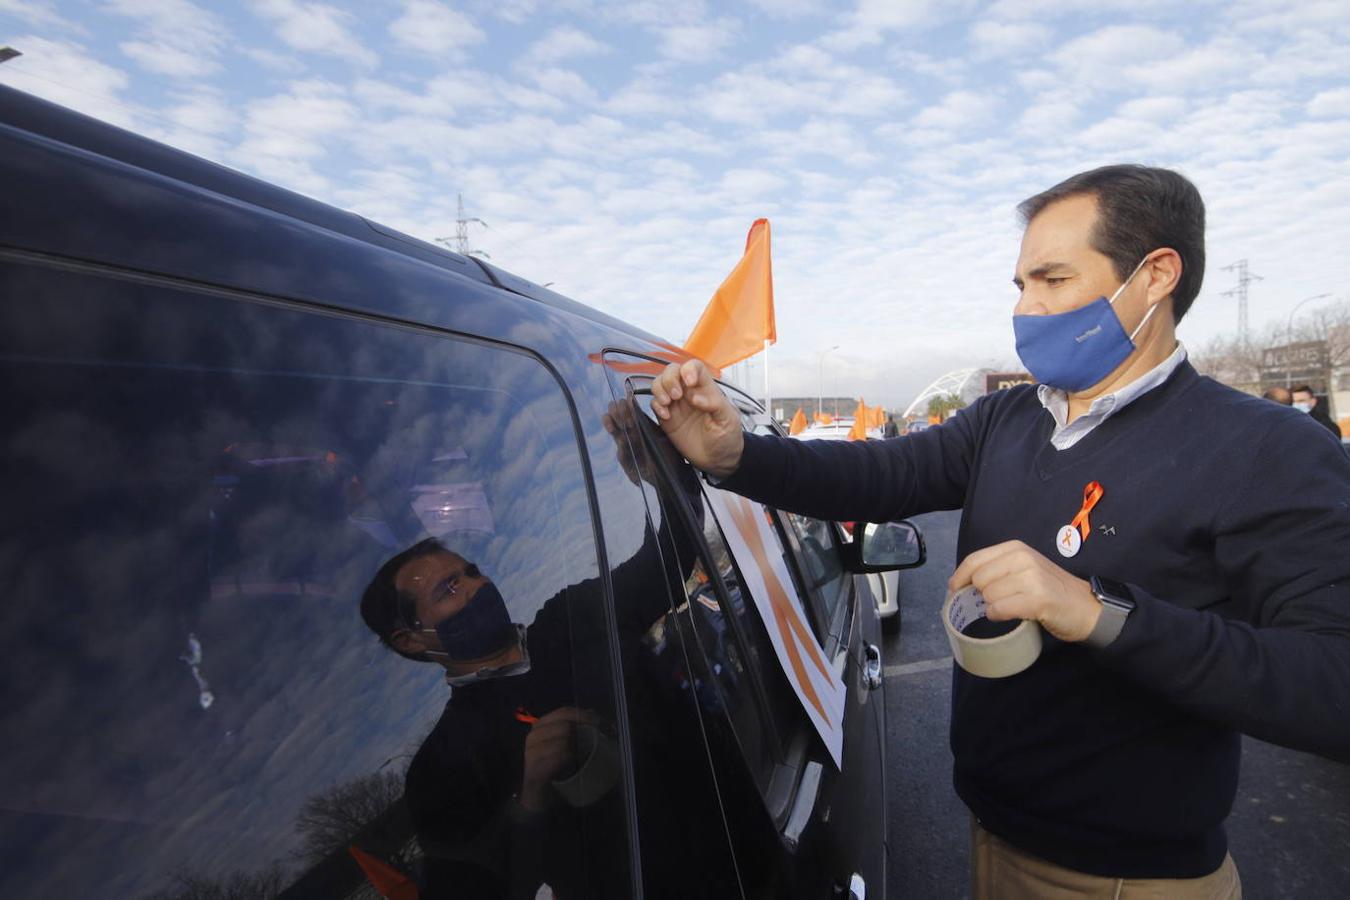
698,418
550,751
1019,583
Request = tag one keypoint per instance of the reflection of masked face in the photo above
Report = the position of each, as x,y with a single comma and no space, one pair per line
481,628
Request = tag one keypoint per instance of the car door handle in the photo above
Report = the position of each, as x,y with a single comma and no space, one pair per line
872,666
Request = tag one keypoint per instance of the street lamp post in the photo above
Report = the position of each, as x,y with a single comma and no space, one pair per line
1289,337
820,396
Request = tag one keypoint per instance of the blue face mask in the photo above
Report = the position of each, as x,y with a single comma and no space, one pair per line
1076,349
483,627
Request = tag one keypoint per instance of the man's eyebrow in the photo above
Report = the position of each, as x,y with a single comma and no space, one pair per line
1043,270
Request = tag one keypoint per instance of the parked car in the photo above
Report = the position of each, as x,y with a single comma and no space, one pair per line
837,430
227,407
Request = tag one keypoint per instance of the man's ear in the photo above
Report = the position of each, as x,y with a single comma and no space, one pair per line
1164,273
406,641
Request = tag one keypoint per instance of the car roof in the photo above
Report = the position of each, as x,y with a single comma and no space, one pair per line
23,112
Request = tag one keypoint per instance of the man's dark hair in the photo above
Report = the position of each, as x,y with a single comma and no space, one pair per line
1139,210
1302,389
385,608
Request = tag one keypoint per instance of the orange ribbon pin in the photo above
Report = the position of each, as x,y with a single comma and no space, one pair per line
1091,494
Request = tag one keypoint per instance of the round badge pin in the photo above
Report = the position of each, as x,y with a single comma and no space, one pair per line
1068,541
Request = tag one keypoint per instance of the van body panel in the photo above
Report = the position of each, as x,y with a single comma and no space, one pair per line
200,338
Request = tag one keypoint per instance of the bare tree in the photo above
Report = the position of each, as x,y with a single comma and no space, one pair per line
237,886
1236,362
1329,324
329,821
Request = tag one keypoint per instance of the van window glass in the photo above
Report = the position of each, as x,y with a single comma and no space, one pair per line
820,565
200,491
815,546
744,680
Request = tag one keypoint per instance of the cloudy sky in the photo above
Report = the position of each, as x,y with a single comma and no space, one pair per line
621,150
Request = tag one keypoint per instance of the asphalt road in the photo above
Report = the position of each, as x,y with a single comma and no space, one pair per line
1290,828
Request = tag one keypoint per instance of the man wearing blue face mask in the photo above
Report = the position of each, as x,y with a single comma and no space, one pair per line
489,791
1190,589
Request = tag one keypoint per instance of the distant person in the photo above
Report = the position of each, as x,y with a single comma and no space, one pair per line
1306,401
1279,395
891,430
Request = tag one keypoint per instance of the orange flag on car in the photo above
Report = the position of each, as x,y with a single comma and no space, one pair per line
387,881
798,422
859,430
739,317
824,419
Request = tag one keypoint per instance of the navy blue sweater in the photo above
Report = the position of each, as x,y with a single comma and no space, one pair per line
1229,517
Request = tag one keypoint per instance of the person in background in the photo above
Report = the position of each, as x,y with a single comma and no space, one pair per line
1279,395
1306,401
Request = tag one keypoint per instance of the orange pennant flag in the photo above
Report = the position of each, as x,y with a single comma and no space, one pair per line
387,881
739,317
878,417
824,419
859,430
798,422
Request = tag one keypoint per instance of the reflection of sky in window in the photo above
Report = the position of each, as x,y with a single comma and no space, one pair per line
143,530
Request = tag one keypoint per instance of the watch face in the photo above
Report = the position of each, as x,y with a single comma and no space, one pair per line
1114,591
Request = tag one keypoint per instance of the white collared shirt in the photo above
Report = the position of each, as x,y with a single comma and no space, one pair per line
1056,402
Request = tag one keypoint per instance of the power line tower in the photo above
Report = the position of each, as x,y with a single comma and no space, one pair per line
461,238
1245,278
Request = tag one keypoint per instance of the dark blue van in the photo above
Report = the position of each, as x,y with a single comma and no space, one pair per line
226,409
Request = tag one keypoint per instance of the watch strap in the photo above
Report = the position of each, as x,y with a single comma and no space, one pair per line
1115,610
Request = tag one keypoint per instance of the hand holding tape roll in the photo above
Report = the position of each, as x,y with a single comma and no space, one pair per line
988,657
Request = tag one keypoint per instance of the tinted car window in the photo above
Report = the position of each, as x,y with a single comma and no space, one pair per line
742,678
199,491
820,564
815,545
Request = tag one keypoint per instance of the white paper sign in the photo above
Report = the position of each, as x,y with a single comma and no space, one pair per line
758,552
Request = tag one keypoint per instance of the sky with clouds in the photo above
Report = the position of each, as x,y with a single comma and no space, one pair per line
621,150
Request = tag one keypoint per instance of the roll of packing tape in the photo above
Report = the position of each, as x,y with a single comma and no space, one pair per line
995,657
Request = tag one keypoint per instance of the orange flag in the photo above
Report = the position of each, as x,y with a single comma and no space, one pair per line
798,422
739,317
878,417
385,879
859,430
824,419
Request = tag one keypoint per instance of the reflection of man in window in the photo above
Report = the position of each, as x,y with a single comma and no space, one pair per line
493,788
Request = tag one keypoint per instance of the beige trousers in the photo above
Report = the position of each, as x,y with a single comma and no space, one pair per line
999,871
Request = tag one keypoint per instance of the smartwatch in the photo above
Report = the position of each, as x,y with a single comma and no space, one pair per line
1117,603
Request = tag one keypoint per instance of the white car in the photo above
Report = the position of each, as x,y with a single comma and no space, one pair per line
836,431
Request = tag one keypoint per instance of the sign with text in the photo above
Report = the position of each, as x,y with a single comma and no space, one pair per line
759,554
998,381
1298,363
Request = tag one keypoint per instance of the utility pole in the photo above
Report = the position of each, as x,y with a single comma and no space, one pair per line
461,239
1244,278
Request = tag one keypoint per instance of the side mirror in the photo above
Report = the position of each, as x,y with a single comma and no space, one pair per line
888,546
